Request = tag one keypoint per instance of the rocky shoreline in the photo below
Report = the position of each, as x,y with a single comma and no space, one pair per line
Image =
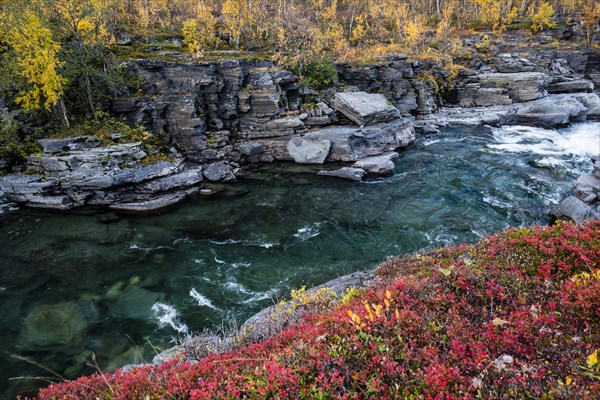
218,117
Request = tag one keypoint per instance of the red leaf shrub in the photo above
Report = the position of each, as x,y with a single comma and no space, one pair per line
514,316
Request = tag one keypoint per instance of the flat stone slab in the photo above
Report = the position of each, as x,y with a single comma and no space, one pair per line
365,108
50,146
352,174
574,86
308,151
154,204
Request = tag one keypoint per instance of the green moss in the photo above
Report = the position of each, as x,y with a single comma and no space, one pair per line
154,158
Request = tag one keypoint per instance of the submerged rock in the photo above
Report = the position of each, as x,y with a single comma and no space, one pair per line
134,302
55,325
352,174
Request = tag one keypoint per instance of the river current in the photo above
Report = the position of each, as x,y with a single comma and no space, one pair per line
73,284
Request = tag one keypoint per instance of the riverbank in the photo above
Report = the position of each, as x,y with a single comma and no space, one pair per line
218,118
515,314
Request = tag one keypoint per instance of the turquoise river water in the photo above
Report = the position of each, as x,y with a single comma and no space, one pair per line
71,284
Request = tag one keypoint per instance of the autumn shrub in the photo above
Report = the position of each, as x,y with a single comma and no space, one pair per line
514,316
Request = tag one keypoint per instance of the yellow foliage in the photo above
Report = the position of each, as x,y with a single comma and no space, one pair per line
543,18
358,32
37,58
412,30
590,18
592,359
191,37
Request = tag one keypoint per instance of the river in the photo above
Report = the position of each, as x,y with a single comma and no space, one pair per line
76,283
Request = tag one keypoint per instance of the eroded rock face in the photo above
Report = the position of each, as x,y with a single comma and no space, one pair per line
219,171
521,86
116,176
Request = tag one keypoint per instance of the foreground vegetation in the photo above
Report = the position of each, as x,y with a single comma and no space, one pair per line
515,316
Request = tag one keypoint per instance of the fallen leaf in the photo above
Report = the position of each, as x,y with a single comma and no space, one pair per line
500,322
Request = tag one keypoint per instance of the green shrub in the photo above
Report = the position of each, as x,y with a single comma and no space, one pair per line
103,127
317,74
13,147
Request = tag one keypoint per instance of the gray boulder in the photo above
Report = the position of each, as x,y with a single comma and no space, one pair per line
365,108
352,174
219,171
575,210
522,86
591,101
586,188
378,165
552,111
352,144
308,151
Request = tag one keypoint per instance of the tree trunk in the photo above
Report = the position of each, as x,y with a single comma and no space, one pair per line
61,111
89,97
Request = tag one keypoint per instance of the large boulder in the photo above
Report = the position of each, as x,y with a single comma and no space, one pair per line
551,111
522,86
575,210
308,151
591,101
365,108
378,165
352,144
